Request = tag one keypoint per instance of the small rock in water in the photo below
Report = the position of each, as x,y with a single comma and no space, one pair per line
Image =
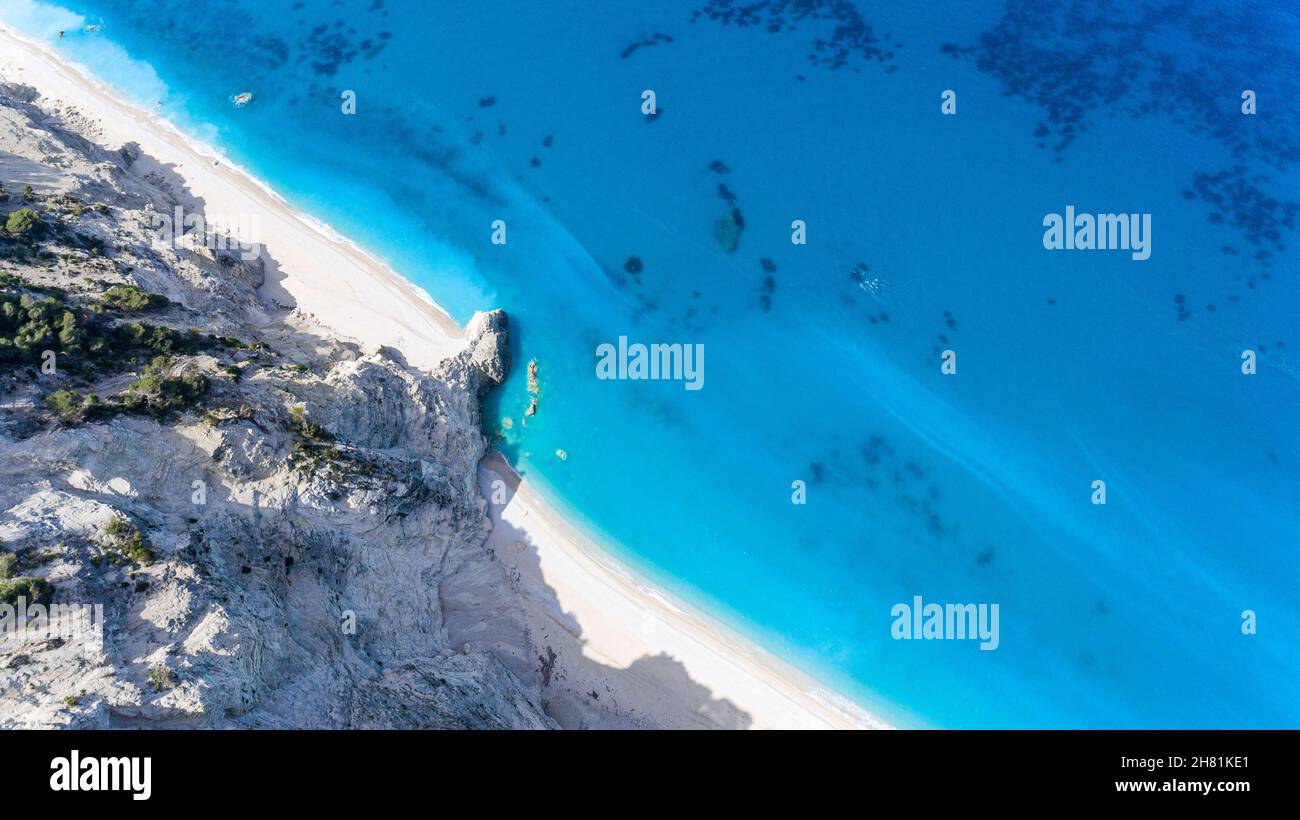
533,385
632,265
562,455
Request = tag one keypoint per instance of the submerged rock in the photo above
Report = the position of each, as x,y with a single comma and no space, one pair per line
534,387
728,228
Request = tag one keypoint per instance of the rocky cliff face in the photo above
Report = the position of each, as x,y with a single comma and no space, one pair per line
280,526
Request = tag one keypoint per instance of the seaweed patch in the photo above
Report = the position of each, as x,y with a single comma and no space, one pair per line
848,36
645,42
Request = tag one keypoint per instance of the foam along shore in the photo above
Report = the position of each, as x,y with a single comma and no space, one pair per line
567,586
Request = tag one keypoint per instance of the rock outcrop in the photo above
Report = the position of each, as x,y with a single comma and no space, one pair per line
278,524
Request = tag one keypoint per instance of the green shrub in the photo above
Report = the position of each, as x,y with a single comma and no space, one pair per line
66,404
119,528
34,590
162,678
30,326
160,340
128,540
24,223
35,558
158,392
131,298
303,426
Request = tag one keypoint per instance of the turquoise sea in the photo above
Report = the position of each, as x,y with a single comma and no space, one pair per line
924,234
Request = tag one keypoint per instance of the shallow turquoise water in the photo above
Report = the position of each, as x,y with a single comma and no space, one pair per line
924,233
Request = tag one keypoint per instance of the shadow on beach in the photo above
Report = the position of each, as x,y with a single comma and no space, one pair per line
578,690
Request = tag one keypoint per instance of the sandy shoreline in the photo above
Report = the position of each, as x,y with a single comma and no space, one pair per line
676,668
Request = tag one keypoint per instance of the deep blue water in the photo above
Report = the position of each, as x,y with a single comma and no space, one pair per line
924,233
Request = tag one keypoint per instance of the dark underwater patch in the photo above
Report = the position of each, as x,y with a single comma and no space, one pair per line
1184,63
842,35
645,42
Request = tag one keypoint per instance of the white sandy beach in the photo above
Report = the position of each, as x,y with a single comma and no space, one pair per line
670,659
